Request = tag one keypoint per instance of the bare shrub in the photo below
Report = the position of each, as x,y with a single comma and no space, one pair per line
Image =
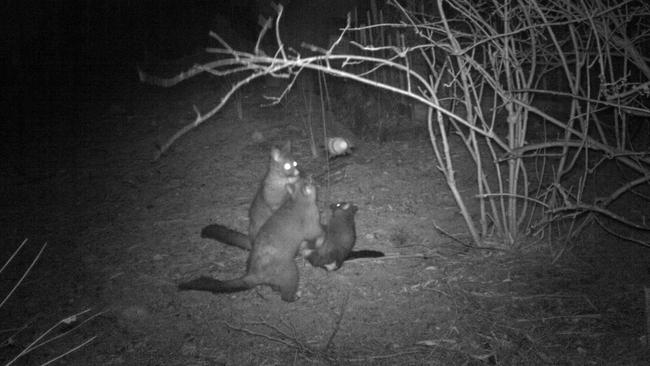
487,72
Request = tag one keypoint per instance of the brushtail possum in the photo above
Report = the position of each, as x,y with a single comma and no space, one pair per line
271,260
270,195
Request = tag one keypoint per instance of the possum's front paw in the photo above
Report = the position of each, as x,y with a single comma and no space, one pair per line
331,267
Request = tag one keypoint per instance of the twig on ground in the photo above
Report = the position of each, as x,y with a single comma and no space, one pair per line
337,324
284,339
42,339
22,278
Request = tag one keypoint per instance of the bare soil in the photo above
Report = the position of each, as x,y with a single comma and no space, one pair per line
122,231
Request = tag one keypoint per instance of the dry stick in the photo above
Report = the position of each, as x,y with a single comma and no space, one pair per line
168,82
337,324
198,69
279,9
634,91
265,336
288,341
323,116
522,197
265,27
572,317
468,87
202,118
441,230
446,167
278,99
607,103
383,357
515,138
578,209
373,10
13,255
15,332
225,44
308,121
625,188
69,320
646,291
498,217
632,240
73,349
382,39
35,344
293,337
518,122
22,278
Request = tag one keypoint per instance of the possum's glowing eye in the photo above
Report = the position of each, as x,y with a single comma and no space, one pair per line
288,166
295,164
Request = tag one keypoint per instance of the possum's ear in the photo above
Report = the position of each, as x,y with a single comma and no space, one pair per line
276,155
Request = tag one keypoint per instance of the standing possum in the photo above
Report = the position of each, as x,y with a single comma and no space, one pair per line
271,194
335,247
271,260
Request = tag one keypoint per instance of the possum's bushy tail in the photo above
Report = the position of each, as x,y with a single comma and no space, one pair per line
356,254
215,286
226,236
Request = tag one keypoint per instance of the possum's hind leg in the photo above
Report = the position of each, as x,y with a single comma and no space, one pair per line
286,282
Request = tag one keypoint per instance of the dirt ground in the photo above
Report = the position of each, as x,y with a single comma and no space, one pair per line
122,231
